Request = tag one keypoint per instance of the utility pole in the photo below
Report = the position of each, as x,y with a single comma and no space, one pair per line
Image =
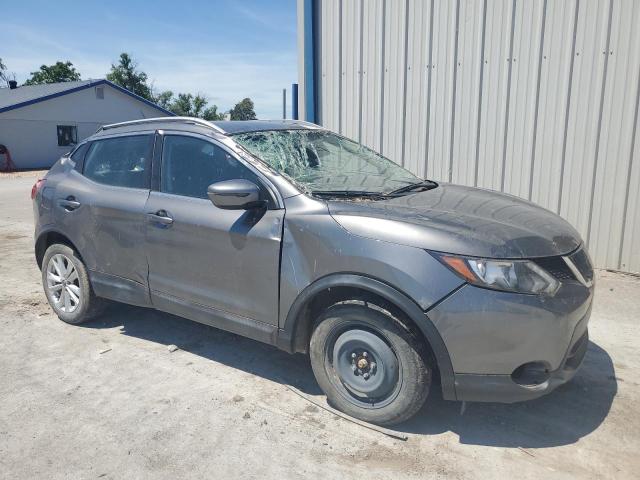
284,103
294,101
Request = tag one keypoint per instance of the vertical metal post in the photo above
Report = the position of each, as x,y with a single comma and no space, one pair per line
284,103
309,61
294,101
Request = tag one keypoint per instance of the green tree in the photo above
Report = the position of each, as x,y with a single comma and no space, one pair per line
243,110
184,106
188,105
58,72
164,99
127,75
211,113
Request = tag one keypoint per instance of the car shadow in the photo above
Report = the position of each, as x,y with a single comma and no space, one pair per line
564,416
211,343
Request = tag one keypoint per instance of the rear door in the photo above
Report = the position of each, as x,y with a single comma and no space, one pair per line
102,209
204,257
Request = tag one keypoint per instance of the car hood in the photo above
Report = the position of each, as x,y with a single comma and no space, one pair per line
460,220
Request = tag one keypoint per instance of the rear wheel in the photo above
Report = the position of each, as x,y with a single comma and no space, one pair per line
66,285
368,364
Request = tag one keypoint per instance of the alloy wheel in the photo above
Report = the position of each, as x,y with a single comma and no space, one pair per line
63,283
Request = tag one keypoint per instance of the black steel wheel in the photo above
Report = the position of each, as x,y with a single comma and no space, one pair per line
368,364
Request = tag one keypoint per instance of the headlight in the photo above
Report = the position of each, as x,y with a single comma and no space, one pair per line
522,276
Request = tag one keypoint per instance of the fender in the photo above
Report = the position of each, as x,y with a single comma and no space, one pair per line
42,234
293,328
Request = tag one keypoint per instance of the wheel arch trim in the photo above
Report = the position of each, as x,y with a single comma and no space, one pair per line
39,246
289,335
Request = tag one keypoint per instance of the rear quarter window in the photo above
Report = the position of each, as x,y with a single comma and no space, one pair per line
78,156
120,161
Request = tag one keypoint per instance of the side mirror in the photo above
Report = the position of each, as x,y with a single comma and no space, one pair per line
235,195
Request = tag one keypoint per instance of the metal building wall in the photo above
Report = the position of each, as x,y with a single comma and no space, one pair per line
537,98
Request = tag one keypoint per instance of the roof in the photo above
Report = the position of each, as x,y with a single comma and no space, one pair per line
10,99
231,127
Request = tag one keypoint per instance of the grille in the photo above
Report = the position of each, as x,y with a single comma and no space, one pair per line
556,266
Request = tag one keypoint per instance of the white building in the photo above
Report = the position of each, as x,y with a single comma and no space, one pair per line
39,123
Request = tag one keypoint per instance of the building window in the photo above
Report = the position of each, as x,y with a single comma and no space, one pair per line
100,93
67,135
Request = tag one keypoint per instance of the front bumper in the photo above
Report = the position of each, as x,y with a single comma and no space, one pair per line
489,335
503,388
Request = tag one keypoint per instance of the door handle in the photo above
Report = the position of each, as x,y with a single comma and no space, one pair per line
161,217
69,203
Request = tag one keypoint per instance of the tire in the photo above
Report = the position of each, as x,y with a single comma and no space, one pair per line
64,276
398,377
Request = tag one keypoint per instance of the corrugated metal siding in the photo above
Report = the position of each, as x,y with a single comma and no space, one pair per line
350,68
329,49
394,79
537,98
417,108
528,34
372,61
468,87
494,93
629,252
443,89
616,134
556,73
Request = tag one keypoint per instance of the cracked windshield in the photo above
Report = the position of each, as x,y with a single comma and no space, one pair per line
322,162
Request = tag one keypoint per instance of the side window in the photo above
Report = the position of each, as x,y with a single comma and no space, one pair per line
190,165
121,161
78,156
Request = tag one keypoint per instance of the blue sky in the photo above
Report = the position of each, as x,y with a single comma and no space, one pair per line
224,49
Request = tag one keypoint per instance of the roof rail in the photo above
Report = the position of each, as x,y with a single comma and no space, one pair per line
197,121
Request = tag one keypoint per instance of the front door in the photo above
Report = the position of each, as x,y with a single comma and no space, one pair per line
204,257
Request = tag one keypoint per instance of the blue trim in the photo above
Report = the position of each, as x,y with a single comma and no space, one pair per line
294,101
309,62
83,87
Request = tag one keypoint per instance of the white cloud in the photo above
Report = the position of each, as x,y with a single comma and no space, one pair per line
224,78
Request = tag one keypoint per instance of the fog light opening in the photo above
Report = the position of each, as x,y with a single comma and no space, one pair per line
531,374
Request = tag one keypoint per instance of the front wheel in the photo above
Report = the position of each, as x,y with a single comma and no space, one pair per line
368,364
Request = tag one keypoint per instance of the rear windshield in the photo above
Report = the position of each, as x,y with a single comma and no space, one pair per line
318,160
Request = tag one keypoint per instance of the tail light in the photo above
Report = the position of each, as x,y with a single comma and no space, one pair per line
37,187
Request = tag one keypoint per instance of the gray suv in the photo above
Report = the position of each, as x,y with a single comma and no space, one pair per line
292,235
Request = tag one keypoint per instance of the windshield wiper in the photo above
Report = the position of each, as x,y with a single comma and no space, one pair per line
348,193
423,186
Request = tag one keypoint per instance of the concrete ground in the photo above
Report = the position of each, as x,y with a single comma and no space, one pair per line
109,400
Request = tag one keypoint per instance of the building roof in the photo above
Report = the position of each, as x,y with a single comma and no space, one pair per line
10,99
